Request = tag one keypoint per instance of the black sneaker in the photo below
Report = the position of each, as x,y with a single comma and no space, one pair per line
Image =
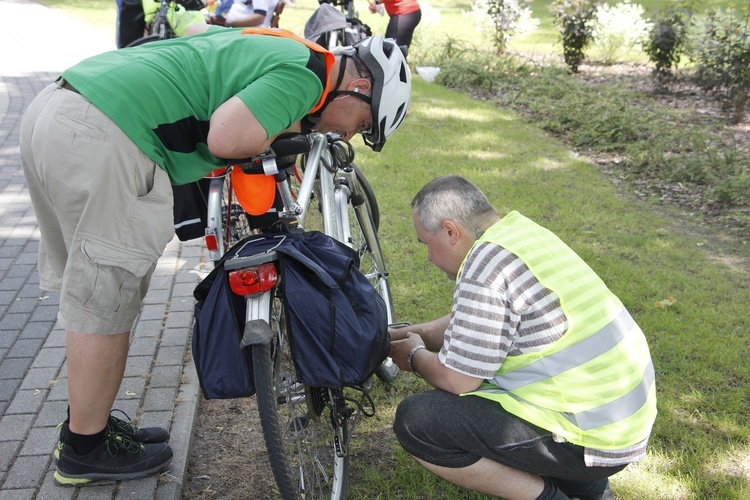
117,458
582,490
126,427
141,434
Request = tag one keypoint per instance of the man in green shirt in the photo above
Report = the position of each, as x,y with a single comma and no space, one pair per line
101,148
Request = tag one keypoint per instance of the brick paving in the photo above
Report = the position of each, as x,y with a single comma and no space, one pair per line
160,386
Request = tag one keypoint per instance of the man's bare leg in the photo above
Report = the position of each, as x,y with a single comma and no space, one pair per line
96,366
491,478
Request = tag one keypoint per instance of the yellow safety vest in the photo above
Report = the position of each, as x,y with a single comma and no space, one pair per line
595,385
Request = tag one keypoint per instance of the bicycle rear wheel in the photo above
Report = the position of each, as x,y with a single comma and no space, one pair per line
306,429
234,217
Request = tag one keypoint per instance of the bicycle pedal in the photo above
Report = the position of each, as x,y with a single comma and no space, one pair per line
347,411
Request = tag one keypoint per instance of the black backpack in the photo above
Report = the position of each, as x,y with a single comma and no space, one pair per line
336,320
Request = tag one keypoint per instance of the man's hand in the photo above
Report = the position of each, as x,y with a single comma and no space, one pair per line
426,364
400,348
398,331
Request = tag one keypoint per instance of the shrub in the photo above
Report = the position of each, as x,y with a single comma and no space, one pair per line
618,29
573,19
720,48
666,41
502,20
468,68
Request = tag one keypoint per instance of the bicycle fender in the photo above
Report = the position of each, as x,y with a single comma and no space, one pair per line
257,331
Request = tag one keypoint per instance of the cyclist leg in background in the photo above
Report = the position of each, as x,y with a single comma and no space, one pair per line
130,22
402,26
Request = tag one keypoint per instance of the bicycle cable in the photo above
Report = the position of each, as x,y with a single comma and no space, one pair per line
343,152
360,407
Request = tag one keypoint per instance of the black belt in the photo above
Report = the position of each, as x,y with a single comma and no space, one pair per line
65,85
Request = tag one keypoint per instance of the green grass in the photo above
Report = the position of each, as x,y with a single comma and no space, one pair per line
645,252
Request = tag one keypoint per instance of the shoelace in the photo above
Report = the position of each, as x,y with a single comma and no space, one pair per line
120,426
116,442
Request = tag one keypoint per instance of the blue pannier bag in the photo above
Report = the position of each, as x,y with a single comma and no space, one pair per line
336,320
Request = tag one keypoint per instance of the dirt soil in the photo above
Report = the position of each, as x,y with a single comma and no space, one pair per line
698,108
228,458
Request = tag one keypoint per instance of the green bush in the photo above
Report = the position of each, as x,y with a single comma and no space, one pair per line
720,48
590,116
574,20
666,41
649,138
468,68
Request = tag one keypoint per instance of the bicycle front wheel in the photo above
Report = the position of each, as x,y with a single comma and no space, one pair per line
306,429
360,232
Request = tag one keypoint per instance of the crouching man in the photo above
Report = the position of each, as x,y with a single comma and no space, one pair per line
544,385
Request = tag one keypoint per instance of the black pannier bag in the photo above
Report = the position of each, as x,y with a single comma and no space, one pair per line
336,320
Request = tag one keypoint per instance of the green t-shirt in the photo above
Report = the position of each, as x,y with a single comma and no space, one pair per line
162,94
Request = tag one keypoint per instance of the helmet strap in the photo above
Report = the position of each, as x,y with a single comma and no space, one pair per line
336,93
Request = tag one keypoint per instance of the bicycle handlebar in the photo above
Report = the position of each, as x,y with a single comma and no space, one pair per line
284,149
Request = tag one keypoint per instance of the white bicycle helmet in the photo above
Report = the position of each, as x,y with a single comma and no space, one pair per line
391,87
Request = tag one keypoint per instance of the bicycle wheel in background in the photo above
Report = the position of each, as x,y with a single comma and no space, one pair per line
234,218
143,40
306,429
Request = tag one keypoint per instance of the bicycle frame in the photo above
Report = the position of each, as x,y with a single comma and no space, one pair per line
336,189
312,469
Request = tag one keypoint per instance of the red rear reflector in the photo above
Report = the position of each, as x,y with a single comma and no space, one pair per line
211,242
252,280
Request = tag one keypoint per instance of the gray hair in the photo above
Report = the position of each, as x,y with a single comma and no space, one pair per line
451,197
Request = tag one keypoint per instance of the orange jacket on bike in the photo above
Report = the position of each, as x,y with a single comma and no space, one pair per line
328,57
256,192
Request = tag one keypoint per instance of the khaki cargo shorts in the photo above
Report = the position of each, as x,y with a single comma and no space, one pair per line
104,211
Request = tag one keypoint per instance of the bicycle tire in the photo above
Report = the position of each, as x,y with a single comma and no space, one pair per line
234,218
299,427
369,194
143,40
372,264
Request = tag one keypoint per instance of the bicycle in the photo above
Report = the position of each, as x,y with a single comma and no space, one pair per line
306,429
342,26
169,16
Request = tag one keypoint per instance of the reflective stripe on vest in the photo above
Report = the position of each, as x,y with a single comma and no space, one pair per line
329,58
595,385
579,354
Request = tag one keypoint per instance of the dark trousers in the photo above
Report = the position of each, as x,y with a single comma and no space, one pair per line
402,27
130,22
457,431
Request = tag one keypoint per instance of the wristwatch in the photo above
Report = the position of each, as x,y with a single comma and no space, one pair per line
410,357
